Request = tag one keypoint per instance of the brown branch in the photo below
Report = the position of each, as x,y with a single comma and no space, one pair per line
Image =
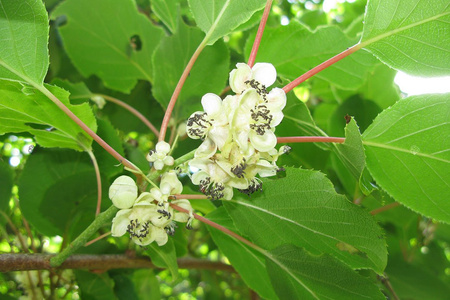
26,262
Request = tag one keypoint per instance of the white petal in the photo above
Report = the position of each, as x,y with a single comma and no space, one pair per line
266,169
212,104
239,76
144,198
276,99
277,117
249,99
199,176
160,235
207,149
168,161
120,222
264,73
159,165
264,142
219,135
123,192
162,147
228,193
170,184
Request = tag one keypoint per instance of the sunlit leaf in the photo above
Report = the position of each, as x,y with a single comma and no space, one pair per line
111,40
25,109
23,40
309,49
167,12
219,17
408,153
304,210
411,36
296,274
351,152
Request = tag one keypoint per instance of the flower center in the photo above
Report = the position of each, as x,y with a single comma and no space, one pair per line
261,119
212,189
198,125
138,230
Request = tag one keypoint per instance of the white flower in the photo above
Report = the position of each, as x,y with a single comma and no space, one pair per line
256,117
211,178
137,222
210,125
123,192
159,157
261,76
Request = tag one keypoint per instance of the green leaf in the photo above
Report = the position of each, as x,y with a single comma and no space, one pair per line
219,17
415,283
304,210
167,12
58,191
171,58
409,35
164,257
249,263
79,92
407,149
95,286
296,274
24,39
313,48
351,152
146,285
6,179
25,109
116,49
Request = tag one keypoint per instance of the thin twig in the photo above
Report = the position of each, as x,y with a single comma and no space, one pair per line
384,208
99,181
320,67
188,196
97,239
176,92
131,110
385,281
310,139
259,34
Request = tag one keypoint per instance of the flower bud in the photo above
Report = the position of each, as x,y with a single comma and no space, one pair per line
123,192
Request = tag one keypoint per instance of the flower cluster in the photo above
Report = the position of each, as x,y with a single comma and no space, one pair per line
149,217
238,133
160,156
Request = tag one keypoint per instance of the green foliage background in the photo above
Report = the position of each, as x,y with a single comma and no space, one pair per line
313,226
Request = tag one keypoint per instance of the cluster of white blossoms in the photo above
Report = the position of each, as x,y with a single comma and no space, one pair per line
148,217
238,133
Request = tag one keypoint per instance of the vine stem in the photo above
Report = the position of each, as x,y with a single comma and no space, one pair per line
176,92
99,181
81,240
259,34
131,110
187,196
384,208
321,67
310,139
220,227
88,130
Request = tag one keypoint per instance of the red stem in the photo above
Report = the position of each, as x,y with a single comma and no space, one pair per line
384,208
310,139
186,196
176,92
133,111
321,67
88,130
259,34
221,228
97,239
